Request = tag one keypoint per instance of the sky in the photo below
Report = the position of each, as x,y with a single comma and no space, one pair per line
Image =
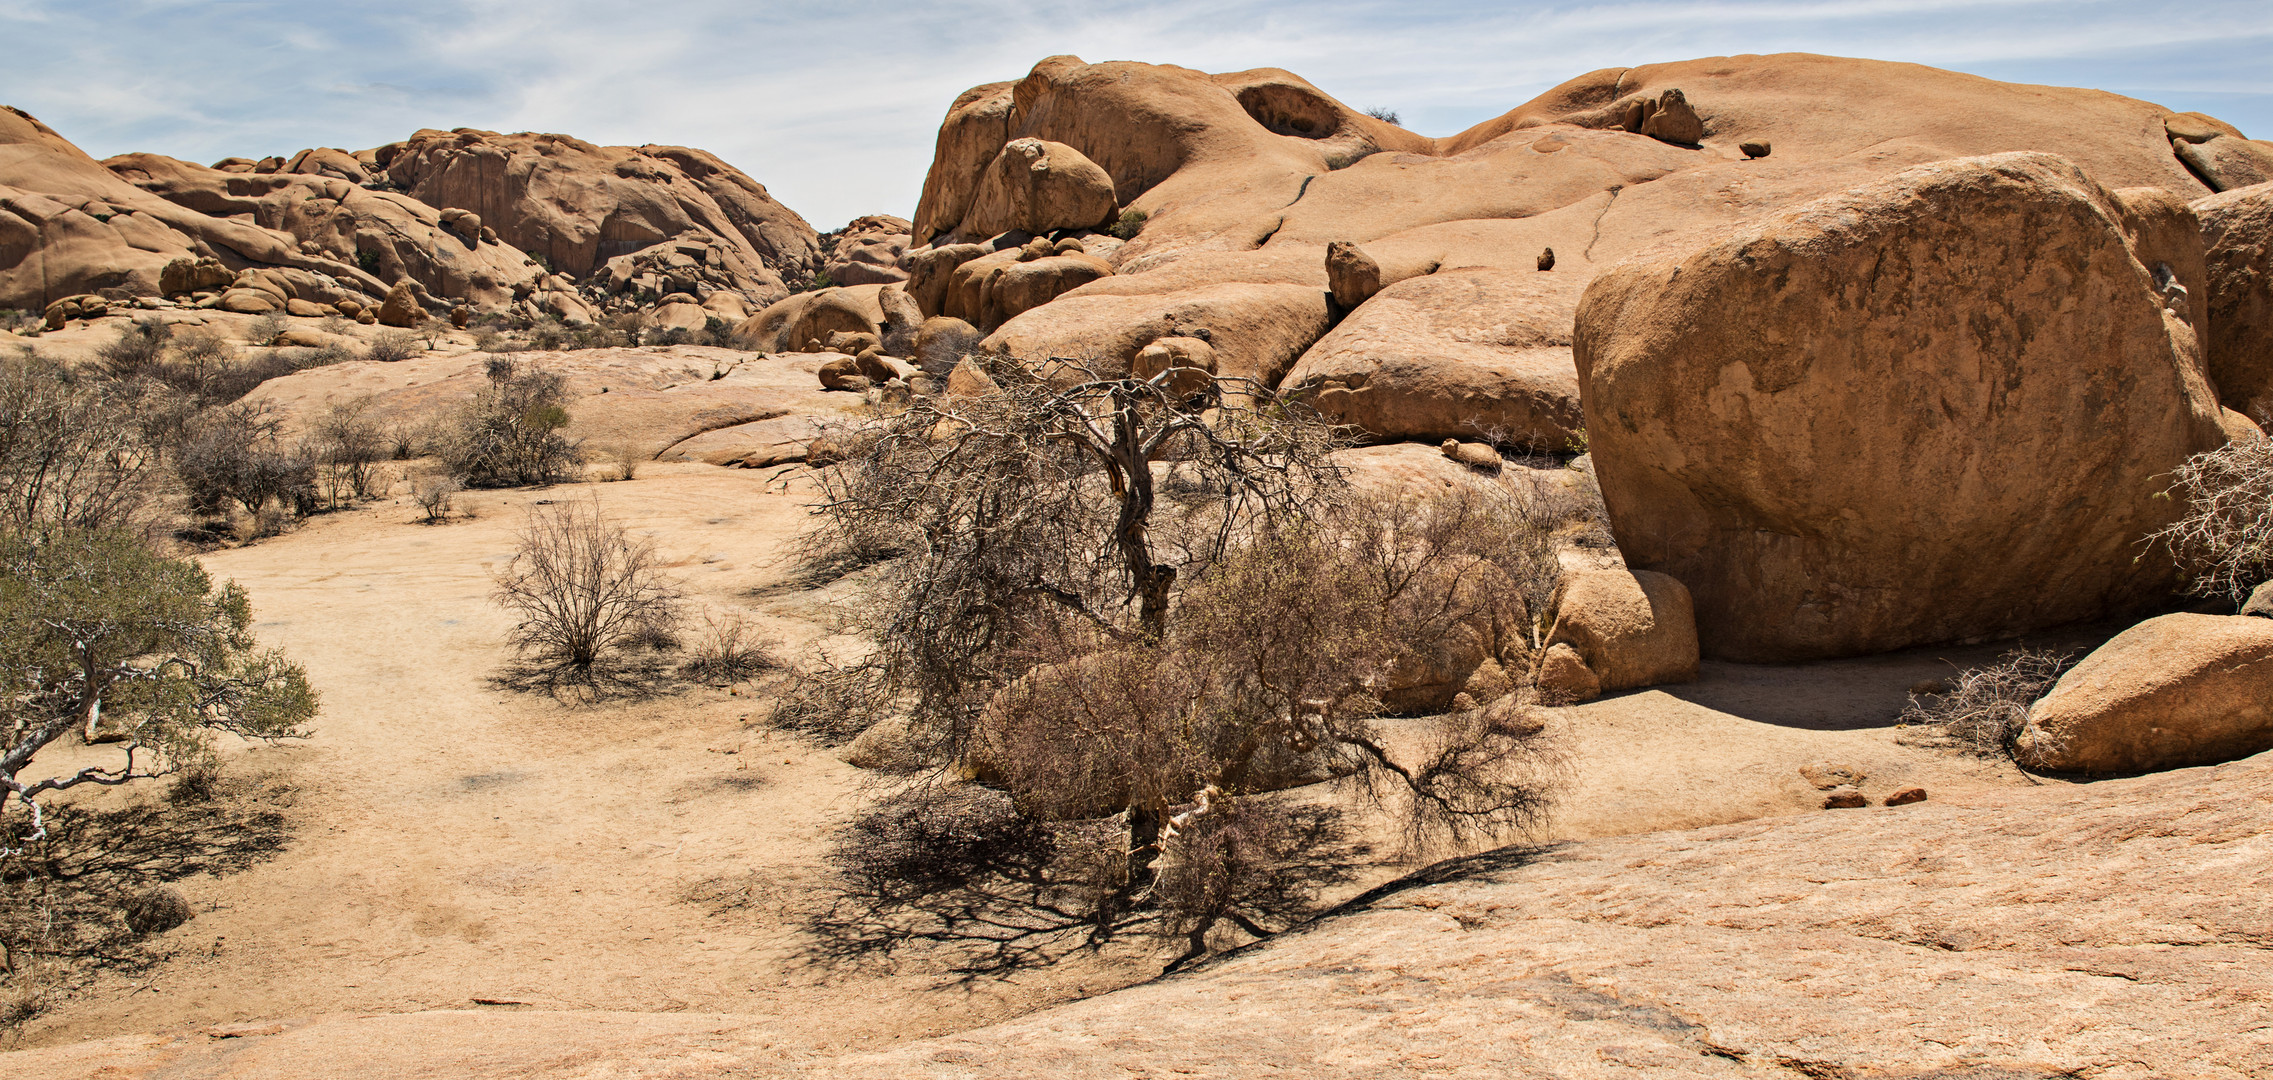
834,106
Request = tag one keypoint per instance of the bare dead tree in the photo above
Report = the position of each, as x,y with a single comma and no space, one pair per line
1038,511
1125,601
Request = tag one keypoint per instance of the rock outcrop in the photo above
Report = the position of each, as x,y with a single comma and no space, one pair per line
804,321
531,225
867,251
1037,186
69,226
2182,689
1937,407
2237,237
393,237
1229,183
576,206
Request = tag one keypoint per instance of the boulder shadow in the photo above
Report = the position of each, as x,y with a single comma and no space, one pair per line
1862,692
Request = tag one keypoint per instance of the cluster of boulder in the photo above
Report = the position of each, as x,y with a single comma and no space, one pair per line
1909,370
1866,355
530,226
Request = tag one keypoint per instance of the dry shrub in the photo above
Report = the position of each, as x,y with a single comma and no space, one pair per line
589,595
266,329
434,492
233,454
347,444
622,461
72,451
1984,709
138,350
832,703
391,345
2224,541
1160,647
509,435
729,650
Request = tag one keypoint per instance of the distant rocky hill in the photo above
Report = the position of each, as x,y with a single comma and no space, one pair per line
533,225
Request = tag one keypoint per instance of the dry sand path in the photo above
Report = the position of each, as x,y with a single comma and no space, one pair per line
458,843
455,843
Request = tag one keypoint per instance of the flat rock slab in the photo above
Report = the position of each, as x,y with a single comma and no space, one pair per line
2109,930
647,399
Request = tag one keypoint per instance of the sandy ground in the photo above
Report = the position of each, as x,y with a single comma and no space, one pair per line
619,875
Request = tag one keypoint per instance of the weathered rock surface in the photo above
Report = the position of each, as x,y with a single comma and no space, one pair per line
2237,236
868,251
1257,331
1632,628
1931,408
1037,186
2225,162
395,236
1564,678
1455,354
2181,689
577,206
69,226
2107,929
804,321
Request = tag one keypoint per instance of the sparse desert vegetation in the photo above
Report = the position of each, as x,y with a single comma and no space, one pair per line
1515,601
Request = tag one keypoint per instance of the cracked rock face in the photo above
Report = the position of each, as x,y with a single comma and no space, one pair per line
1940,939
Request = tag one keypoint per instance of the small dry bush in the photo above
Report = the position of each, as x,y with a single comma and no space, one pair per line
1985,708
347,443
591,598
729,650
509,435
266,329
434,493
2224,540
832,703
621,461
393,345
138,350
549,335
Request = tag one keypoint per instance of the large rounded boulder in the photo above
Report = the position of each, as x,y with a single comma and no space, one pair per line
2183,689
1039,186
1935,407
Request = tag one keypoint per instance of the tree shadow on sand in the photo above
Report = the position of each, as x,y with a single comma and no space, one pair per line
955,880
65,900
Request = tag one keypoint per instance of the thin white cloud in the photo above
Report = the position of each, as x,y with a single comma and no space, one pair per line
834,107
